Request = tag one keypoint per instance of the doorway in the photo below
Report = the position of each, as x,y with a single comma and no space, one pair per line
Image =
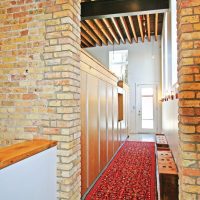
146,108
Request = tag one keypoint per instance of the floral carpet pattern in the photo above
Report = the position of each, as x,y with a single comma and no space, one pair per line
130,176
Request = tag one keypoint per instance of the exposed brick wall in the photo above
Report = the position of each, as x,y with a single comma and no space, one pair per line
189,103
40,80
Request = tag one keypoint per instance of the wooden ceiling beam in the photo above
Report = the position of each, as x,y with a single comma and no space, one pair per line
123,21
133,28
104,30
89,31
118,29
87,38
98,32
140,27
148,27
85,42
156,26
112,31
113,8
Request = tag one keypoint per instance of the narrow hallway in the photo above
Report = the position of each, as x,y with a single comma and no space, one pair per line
131,174
140,170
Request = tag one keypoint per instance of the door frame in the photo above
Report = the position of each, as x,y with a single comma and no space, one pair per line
156,109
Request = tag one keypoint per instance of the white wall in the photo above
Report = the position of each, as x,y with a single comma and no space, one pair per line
144,66
166,54
33,178
170,125
169,50
169,78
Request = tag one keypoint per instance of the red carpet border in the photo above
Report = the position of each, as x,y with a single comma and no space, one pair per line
130,176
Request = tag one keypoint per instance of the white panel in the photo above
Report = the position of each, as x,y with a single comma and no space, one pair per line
174,40
170,124
147,108
147,124
31,179
147,91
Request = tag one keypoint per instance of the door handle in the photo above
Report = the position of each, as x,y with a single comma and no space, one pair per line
139,112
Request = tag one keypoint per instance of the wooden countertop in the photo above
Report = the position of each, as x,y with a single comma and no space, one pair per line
17,152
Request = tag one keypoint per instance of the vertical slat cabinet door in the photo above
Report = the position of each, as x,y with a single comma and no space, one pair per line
128,112
126,115
102,124
109,120
84,136
119,132
123,123
93,135
115,119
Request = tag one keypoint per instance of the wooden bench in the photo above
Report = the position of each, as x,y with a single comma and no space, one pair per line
161,142
168,176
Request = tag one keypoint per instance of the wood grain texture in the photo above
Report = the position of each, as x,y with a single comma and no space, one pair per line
84,133
118,29
140,27
125,26
120,107
148,27
109,120
17,152
102,124
166,163
100,137
111,29
133,28
156,26
115,119
123,122
104,30
85,42
126,113
168,175
90,32
97,30
87,38
93,137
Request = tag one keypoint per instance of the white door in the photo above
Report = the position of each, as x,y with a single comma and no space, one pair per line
146,108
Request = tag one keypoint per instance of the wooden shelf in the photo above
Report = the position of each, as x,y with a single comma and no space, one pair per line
17,152
120,100
120,107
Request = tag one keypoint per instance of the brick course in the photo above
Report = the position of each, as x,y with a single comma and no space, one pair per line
189,98
40,80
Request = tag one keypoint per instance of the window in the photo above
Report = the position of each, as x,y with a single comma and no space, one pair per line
118,63
147,108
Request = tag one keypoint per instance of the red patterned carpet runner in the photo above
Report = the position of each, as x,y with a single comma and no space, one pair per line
130,176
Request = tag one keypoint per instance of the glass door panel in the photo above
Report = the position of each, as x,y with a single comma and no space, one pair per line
146,108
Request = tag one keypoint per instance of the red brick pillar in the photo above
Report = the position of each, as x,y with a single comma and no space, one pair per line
189,93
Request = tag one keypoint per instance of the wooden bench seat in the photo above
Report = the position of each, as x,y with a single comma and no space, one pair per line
168,175
161,142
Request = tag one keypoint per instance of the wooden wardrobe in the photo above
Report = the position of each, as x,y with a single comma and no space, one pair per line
101,131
